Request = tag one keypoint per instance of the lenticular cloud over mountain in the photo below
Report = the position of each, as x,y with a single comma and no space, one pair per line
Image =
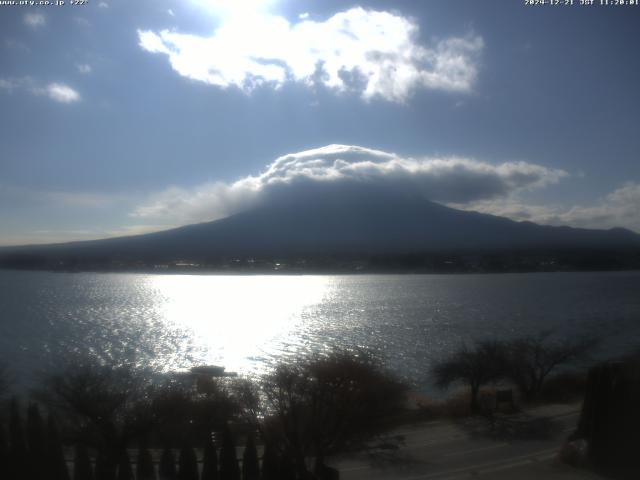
339,170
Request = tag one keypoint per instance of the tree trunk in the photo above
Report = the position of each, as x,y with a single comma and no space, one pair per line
474,405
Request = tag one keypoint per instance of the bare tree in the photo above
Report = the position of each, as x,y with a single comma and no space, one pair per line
100,402
526,361
530,360
318,406
475,367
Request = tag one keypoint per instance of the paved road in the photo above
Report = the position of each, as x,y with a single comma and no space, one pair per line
520,447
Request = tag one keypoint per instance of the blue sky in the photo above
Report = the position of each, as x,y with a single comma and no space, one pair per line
123,117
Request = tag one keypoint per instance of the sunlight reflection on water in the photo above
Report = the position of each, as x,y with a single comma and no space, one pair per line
246,323
237,321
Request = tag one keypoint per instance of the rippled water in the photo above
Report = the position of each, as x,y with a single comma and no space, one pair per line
247,322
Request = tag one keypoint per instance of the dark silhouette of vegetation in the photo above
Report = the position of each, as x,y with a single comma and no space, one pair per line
170,407
270,463
82,469
305,411
188,464
229,469
4,452
181,415
18,454
287,469
57,466
530,360
564,387
315,407
610,418
36,441
125,472
168,465
474,367
144,468
250,466
527,362
104,405
105,465
109,408
210,462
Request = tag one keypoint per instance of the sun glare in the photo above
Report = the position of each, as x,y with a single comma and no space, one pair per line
235,7
234,319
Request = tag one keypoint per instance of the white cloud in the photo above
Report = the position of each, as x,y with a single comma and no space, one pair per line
11,84
61,93
7,84
210,201
16,45
82,22
84,68
170,12
233,7
34,20
621,208
58,92
103,5
343,168
373,53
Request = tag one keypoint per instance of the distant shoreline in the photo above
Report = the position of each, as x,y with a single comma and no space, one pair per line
285,273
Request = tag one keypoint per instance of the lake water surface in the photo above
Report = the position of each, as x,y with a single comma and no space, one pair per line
248,322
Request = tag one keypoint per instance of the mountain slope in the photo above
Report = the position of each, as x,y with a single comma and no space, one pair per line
365,225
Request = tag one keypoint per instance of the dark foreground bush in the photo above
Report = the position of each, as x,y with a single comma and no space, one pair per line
250,465
319,406
564,388
167,468
610,419
145,470
305,410
210,462
229,469
125,472
188,464
270,463
82,469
